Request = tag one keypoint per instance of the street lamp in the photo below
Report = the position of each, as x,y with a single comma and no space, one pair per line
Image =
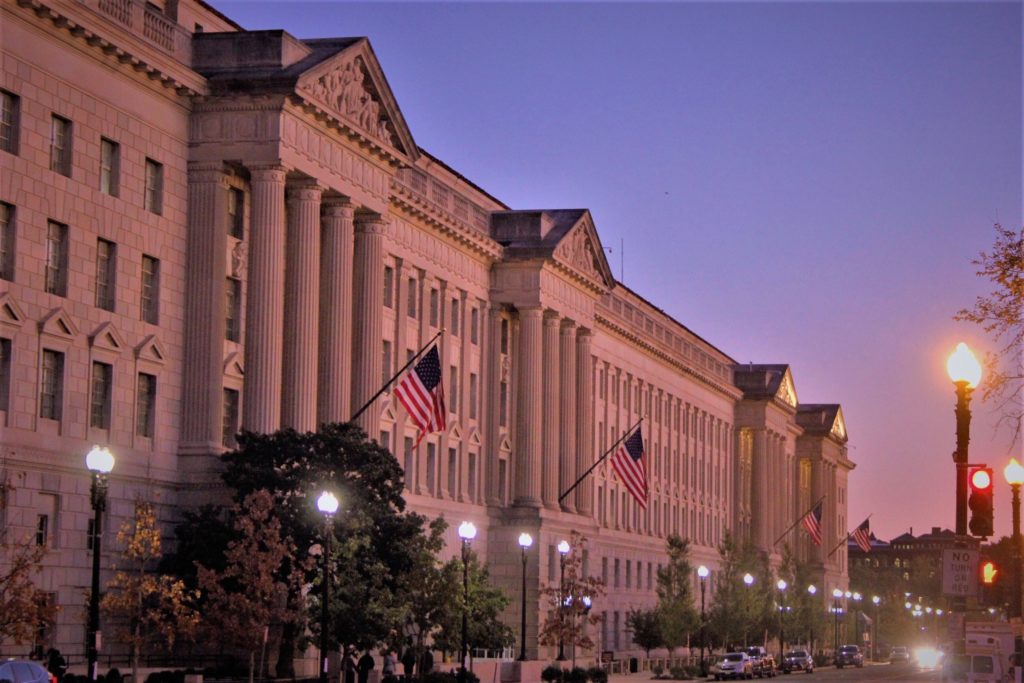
874,638
327,503
525,541
100,462
563,552
965,371
812,590
748,579
781,585
467,532
1014,473
836,595
702,574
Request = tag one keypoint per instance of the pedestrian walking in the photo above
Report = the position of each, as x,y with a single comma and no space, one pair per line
408,662
364,667
387,667
348,665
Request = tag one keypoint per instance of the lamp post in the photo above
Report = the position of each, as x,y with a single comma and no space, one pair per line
100,462
836,595
525,541
965,371
874,637
748,580
812,590
702,574
467,532
563,552
587,605
781,585
327,503
1014,473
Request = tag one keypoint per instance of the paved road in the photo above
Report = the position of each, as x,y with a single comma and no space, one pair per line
870,673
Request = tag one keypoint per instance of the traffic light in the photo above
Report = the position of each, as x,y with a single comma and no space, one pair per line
980,500
988,573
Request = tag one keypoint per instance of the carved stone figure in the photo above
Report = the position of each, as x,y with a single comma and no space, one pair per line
348,90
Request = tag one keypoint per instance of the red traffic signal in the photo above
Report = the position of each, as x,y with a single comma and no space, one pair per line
980,501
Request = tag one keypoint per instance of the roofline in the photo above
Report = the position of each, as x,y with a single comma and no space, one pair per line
220,14
463,178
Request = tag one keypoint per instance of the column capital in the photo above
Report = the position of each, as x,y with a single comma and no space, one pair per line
338,207
207,172
306,189
551,318
568,327
584,333
373,224
273,173
531,311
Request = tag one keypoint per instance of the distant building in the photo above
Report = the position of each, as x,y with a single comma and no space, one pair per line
206,228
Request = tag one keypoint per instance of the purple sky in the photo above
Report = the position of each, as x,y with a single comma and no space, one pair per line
800,183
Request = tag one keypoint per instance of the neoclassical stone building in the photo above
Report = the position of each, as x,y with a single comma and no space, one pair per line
206,228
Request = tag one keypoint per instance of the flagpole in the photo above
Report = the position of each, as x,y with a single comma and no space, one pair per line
599,460
845,540
395,376
798,520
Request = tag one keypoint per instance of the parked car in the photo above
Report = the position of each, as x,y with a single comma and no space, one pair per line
849,655
761,662
733,665
899,654
23,671
798,660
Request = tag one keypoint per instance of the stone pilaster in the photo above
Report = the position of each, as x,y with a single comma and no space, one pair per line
265,302
567,379
369,318
584,419
335,359
490,389
529,415
551,451
202,391
302,314
759,493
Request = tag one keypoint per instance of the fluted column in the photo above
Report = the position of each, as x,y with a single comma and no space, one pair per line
584,419
551,389
759,493
491,390
567,471
206,243
302,308
529,415
265,302
369,318
334,387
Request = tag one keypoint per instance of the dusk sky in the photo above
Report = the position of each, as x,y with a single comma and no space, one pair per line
801,183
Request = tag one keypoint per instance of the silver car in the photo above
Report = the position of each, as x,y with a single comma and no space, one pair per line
21,671
733,665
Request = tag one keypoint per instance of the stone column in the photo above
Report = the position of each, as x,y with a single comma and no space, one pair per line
567,471
369,319
490,389
529,415
551,450
584,420
302,312
265,302
759,494
335,360
206,271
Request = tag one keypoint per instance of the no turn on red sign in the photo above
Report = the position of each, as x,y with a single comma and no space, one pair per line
959,572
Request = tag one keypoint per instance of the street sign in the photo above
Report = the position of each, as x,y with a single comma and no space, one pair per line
959,572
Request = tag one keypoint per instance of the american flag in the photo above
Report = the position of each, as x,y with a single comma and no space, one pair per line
628,461
862,536
422,393
812,522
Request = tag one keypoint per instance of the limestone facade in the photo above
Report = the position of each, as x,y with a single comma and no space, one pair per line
206,228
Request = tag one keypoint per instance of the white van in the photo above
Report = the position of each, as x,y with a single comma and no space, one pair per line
974,668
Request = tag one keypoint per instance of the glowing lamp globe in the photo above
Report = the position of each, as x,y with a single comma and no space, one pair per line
781,585
563,547
836,593
703,572
875,599
1014,473
812,589
100,460
748,579
467,531
327,503
525,540
962,366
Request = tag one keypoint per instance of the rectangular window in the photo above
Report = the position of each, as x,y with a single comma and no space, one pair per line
472,395
455,317
233,309
389,286
453,389
230,418
385,366
410,463
145,405
154,197
431,467
629,574
503,405
99,405
42,529
106,270
56,258
616,583
60,145
471,477
150,299
411,303
10,109
474,326
453,472
89,533
7,244
435,306
504,335
385,440
502,479
51,386
110,166
5,373
236,212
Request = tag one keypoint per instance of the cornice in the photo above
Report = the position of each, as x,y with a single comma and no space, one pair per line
730,392
122,54
577,276
414,205
392,157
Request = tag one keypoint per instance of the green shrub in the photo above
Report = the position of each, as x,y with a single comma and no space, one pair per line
657,670
575,675
597,674
678,672
552,673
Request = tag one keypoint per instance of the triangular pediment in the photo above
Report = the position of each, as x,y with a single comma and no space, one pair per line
10,312
151,350
787,391
474,437
581,251
59,324
233,366
505,445
455,433
839,426
388,414
106,337
352,86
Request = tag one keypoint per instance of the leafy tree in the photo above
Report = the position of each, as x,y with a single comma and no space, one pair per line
148,608
568,605
1001,314
741,613
677,615
484,628
646,628
250,595
22,605
202,537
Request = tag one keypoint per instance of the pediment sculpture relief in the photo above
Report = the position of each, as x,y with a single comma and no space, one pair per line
580,253
839,428
349,91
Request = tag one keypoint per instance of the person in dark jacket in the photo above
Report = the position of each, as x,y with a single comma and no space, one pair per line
408,662
348,665
426,661
365,666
